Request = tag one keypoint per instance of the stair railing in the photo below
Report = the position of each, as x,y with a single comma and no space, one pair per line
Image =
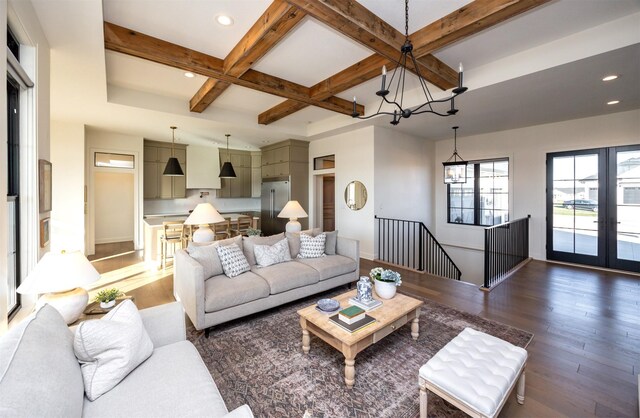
506,246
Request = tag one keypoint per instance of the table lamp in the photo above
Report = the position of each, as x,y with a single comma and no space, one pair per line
203,215
60,276
293,211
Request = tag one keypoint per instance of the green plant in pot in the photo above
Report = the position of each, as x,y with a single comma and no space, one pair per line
107,297
253,232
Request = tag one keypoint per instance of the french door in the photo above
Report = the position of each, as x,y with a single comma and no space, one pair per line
593,207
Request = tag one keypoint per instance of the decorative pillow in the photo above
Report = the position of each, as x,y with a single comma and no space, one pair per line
267,255
110,348
249,244
233,260
39,375
207,256
331,242
294,240
312,247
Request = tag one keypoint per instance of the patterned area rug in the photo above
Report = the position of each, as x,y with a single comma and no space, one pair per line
259,361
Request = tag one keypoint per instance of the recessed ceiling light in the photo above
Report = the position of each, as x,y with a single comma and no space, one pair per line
224,20
610,77
612,102
189,75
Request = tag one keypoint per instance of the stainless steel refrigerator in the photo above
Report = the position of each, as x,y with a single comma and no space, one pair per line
275,194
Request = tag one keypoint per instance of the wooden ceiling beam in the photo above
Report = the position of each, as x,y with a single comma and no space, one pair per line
358,23
466,21
130,42
279,18
352,76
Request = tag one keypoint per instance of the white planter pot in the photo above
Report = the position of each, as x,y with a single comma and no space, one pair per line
385,290
107,305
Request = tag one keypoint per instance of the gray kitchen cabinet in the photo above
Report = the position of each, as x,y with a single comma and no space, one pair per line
156,185
241,186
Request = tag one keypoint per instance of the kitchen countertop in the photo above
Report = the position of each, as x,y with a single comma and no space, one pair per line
157,220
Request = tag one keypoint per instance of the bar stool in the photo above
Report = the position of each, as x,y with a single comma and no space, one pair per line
222,229
173,234
242,226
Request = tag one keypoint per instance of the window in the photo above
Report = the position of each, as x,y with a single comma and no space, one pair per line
484,198
322,163
104,159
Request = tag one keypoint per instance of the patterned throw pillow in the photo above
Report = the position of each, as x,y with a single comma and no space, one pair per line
233,260
312,247
267,255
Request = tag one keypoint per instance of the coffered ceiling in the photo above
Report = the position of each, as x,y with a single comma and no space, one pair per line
558,42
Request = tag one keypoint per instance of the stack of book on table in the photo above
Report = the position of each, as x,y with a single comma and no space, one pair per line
352,319
367,306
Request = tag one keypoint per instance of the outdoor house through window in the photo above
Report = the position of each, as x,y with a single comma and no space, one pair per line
484,198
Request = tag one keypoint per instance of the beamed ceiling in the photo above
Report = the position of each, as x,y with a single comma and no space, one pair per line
289,68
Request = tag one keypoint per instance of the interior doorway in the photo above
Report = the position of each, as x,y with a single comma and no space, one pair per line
114,206
329,202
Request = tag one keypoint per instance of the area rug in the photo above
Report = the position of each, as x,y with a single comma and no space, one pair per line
259,361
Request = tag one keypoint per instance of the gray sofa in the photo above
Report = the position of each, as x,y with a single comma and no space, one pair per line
213,300
40,375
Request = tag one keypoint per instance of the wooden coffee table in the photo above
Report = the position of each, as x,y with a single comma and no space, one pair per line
393,314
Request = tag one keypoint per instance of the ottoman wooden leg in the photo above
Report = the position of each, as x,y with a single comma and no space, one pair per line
520,390
423,399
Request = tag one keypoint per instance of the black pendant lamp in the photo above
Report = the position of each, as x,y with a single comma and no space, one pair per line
227,171
173,166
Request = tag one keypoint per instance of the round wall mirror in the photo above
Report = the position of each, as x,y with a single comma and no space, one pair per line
355,195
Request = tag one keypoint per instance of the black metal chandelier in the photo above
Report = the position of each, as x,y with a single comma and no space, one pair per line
455,168
429,106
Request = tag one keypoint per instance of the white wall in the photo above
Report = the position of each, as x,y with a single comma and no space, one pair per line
403,176
105,141
354,153
526,149
67,159
114,205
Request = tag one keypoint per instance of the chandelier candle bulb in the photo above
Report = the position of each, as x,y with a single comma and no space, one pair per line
384,77
355,113
460,70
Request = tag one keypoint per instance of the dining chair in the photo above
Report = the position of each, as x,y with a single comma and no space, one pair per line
172,234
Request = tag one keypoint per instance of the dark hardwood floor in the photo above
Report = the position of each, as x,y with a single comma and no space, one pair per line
584,360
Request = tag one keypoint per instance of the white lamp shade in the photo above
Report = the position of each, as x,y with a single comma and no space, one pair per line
58,272
292,210
204,214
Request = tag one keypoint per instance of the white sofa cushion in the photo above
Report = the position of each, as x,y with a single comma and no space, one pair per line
206,254
286,276
173,382
39,375
476,368
221,293
267,255
110,348
249,244
330,266
294,240
233,260
312,247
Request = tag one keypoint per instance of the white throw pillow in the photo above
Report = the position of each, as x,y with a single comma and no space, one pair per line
233,260
312,247
110,348
267,255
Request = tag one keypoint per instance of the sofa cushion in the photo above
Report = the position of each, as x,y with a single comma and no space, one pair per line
286,276
249,244
233,260
331,242
39,375
206,254
110,348
294,240
267,255
330,266
224,242
173,382
220,292
312,247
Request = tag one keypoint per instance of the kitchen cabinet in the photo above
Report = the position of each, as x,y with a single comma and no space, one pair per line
241,186
256,174
157,186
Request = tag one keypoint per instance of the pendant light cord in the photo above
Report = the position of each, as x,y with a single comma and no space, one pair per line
173,139
406,19
228,155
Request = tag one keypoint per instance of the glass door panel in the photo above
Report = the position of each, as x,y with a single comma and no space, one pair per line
625,202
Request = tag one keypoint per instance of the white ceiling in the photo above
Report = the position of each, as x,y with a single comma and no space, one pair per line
135,96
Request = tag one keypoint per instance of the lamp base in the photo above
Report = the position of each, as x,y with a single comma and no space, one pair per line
293,226
203,234
70,304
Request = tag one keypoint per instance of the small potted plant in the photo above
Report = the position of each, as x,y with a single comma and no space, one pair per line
385,281
107,297
253,232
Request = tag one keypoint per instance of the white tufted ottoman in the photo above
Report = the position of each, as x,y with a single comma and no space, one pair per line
475,372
